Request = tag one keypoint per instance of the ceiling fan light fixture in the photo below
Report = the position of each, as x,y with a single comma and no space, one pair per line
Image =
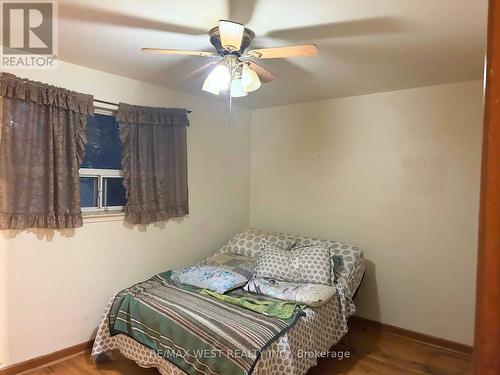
210,87
237,90
231,34
250,79
218,80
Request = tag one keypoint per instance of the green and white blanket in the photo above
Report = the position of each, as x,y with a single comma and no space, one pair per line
193,330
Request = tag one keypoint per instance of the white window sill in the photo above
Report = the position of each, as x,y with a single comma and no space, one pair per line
102,216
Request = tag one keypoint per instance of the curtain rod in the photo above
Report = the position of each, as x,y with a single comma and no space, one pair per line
115,104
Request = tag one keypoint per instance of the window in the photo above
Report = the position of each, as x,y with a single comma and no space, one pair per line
101,177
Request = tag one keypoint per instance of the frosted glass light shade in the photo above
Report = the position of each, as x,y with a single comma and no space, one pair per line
237,90
217,80
250,79
210,86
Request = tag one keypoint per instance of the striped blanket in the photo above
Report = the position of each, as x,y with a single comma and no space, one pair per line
196,332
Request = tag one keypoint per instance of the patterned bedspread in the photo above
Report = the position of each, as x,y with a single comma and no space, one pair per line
195,331
293,352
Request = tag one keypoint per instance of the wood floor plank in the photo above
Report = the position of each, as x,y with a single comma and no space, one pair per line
373,352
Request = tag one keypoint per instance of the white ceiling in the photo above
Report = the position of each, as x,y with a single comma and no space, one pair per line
365,46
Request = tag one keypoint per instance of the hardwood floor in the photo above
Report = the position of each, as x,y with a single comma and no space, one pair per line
374,352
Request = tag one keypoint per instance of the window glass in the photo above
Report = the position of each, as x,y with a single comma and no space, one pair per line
104,148
88,191
114,192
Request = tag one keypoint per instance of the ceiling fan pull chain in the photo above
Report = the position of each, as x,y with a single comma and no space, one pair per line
230,108
231,67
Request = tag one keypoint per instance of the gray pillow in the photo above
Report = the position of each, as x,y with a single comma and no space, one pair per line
249,241
238,263
311,264
336,261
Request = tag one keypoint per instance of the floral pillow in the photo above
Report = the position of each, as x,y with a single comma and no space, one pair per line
309,294
218,279
311,264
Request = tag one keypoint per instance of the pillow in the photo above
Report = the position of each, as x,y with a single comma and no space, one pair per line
336,261
249,241
349,272
309,294
352,267
310,264
238,263
218,279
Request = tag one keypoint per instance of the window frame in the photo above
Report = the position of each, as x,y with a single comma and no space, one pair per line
100,174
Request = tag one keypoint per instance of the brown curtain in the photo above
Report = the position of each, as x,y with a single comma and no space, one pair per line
42,137
154,162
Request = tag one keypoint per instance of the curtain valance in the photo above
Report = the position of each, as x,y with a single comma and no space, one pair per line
13,87
133,114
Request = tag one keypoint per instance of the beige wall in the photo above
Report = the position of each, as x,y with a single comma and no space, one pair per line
53,289
396,173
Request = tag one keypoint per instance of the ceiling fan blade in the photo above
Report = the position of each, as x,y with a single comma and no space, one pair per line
264,74
201,71
80,12
367,26
288,51
166,51
241,11
231,34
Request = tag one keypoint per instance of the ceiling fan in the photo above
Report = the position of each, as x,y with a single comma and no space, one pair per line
227,34
233,72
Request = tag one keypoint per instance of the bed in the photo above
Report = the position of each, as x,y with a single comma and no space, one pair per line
291,348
